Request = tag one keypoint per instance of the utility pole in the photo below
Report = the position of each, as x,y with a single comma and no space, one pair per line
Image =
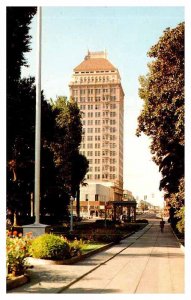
37,228
38,119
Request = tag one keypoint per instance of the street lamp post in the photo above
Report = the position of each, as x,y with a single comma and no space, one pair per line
105,214
71,213
88,206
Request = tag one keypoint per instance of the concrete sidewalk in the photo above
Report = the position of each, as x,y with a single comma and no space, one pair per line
146,262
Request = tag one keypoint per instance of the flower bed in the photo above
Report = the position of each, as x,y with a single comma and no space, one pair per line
17,250
104,234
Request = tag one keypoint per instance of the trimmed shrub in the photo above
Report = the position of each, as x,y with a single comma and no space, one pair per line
142,221
108,238
76,247
49,246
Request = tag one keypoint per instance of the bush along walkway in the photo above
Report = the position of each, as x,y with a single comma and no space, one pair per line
51,278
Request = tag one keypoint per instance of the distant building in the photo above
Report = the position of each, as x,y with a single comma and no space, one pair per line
128,195
96,87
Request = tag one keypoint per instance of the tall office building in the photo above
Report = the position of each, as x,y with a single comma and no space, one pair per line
96,87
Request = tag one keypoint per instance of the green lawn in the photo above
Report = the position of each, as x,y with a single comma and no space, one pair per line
91,246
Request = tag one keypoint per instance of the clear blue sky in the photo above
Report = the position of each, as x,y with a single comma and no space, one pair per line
127,33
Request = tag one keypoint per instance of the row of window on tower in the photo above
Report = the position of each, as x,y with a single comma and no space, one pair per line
91,138
77,92
97,106
99,122
98,145
89,79
98,176
104,168
97,130
103,160
98,153
99,114
94,99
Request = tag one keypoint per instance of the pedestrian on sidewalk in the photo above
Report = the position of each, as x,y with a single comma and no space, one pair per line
162,222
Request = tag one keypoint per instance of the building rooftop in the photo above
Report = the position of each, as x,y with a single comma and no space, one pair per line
95,61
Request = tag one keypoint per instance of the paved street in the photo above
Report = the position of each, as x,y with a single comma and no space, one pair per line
146,262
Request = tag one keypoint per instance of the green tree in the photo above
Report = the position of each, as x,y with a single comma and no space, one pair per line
80,166
71,165
20,150
18,42
162,116
62,167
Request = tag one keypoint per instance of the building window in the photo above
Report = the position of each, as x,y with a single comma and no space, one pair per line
112,176
90,153
113,90
112,153
90,130
97,130
113,98
112,106
97,138
90,138
112,169
89,146
112,137
90,122
90,114
97,122
112,129
97,146
96,197
112,145
97,114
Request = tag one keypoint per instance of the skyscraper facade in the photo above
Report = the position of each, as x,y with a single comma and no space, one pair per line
96,87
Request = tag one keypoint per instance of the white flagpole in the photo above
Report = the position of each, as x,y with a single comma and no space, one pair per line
38,120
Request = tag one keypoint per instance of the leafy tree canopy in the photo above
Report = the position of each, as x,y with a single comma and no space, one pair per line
72,166
162,117
18,40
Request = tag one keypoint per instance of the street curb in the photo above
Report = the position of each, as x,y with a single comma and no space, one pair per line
181,246
16,282
68,261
